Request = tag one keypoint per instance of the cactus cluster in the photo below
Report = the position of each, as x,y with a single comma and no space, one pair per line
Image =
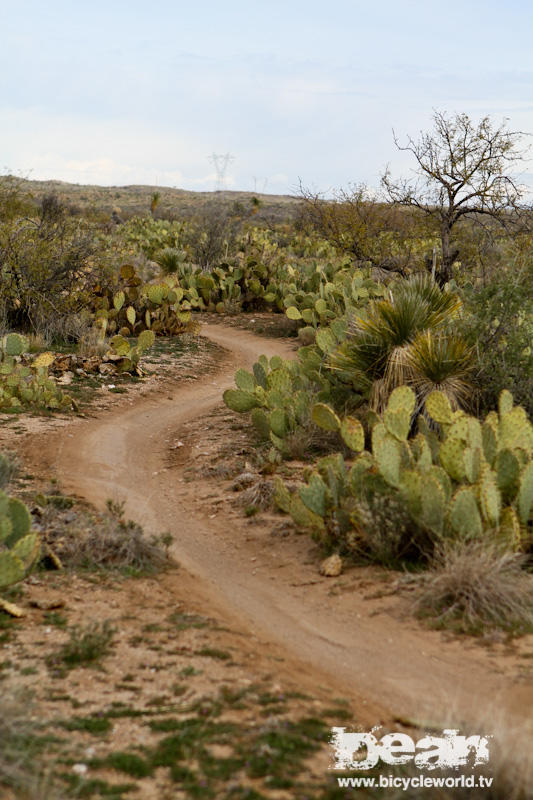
124,355
19,546
456,477
132,307
27,385
327,295
315,294
278,396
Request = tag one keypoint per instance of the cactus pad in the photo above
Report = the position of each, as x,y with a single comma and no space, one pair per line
314,495
439,409
398,421
11,569
261,423
525,494
465,518
239,401
279,422
324,416
404,398
244,380
353,434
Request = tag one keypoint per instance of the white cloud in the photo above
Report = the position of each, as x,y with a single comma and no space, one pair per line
80,150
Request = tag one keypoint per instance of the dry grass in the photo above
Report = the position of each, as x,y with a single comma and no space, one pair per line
20,746
258,494
82,538
475,587
91,342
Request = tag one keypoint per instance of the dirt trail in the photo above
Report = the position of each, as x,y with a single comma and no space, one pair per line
395,665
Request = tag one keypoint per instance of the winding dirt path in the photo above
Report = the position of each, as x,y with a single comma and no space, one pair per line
398,668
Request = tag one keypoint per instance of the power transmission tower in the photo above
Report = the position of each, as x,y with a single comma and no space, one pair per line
256,182
221,162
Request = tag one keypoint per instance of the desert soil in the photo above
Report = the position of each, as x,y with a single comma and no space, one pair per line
352,635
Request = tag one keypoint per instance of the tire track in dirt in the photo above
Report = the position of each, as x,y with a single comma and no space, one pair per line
399,667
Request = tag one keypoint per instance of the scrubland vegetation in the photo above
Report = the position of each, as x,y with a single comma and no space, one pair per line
400,434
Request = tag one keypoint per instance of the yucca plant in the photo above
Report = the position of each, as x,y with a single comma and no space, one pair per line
407,338
440,361
170,259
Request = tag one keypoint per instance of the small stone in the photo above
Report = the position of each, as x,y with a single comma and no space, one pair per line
66,378
331,567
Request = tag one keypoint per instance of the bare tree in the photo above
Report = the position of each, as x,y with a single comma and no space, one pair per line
462,170
355,221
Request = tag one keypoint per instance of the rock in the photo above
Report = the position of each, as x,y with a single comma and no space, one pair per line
44,599
331,567
105,369
66,378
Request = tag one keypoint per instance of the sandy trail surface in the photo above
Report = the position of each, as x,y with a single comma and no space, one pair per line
394,667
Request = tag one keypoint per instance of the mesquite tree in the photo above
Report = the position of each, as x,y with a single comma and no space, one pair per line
463,169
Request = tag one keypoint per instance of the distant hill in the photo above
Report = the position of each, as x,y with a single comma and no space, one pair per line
173,203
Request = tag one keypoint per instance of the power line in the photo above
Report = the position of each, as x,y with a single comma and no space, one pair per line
221,162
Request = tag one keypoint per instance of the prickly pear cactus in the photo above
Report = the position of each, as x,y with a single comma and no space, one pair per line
23,385
279,397
19,546
470,480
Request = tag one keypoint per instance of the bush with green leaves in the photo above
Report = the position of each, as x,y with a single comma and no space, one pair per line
48,260
457,479
498,324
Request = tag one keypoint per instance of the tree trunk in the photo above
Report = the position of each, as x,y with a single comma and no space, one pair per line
449,254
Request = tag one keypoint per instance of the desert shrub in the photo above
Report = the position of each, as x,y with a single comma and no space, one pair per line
9,468
82,538
21,745
212,238
86,645
170,259
384,531
474,586
15,202
371,231
47,262
498,323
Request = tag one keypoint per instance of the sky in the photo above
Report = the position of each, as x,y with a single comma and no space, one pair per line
126,92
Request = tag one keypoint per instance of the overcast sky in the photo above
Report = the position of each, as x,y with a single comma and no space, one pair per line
124,91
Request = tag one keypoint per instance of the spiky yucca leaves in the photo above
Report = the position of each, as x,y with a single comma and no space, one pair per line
170,259
405,339
440,362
